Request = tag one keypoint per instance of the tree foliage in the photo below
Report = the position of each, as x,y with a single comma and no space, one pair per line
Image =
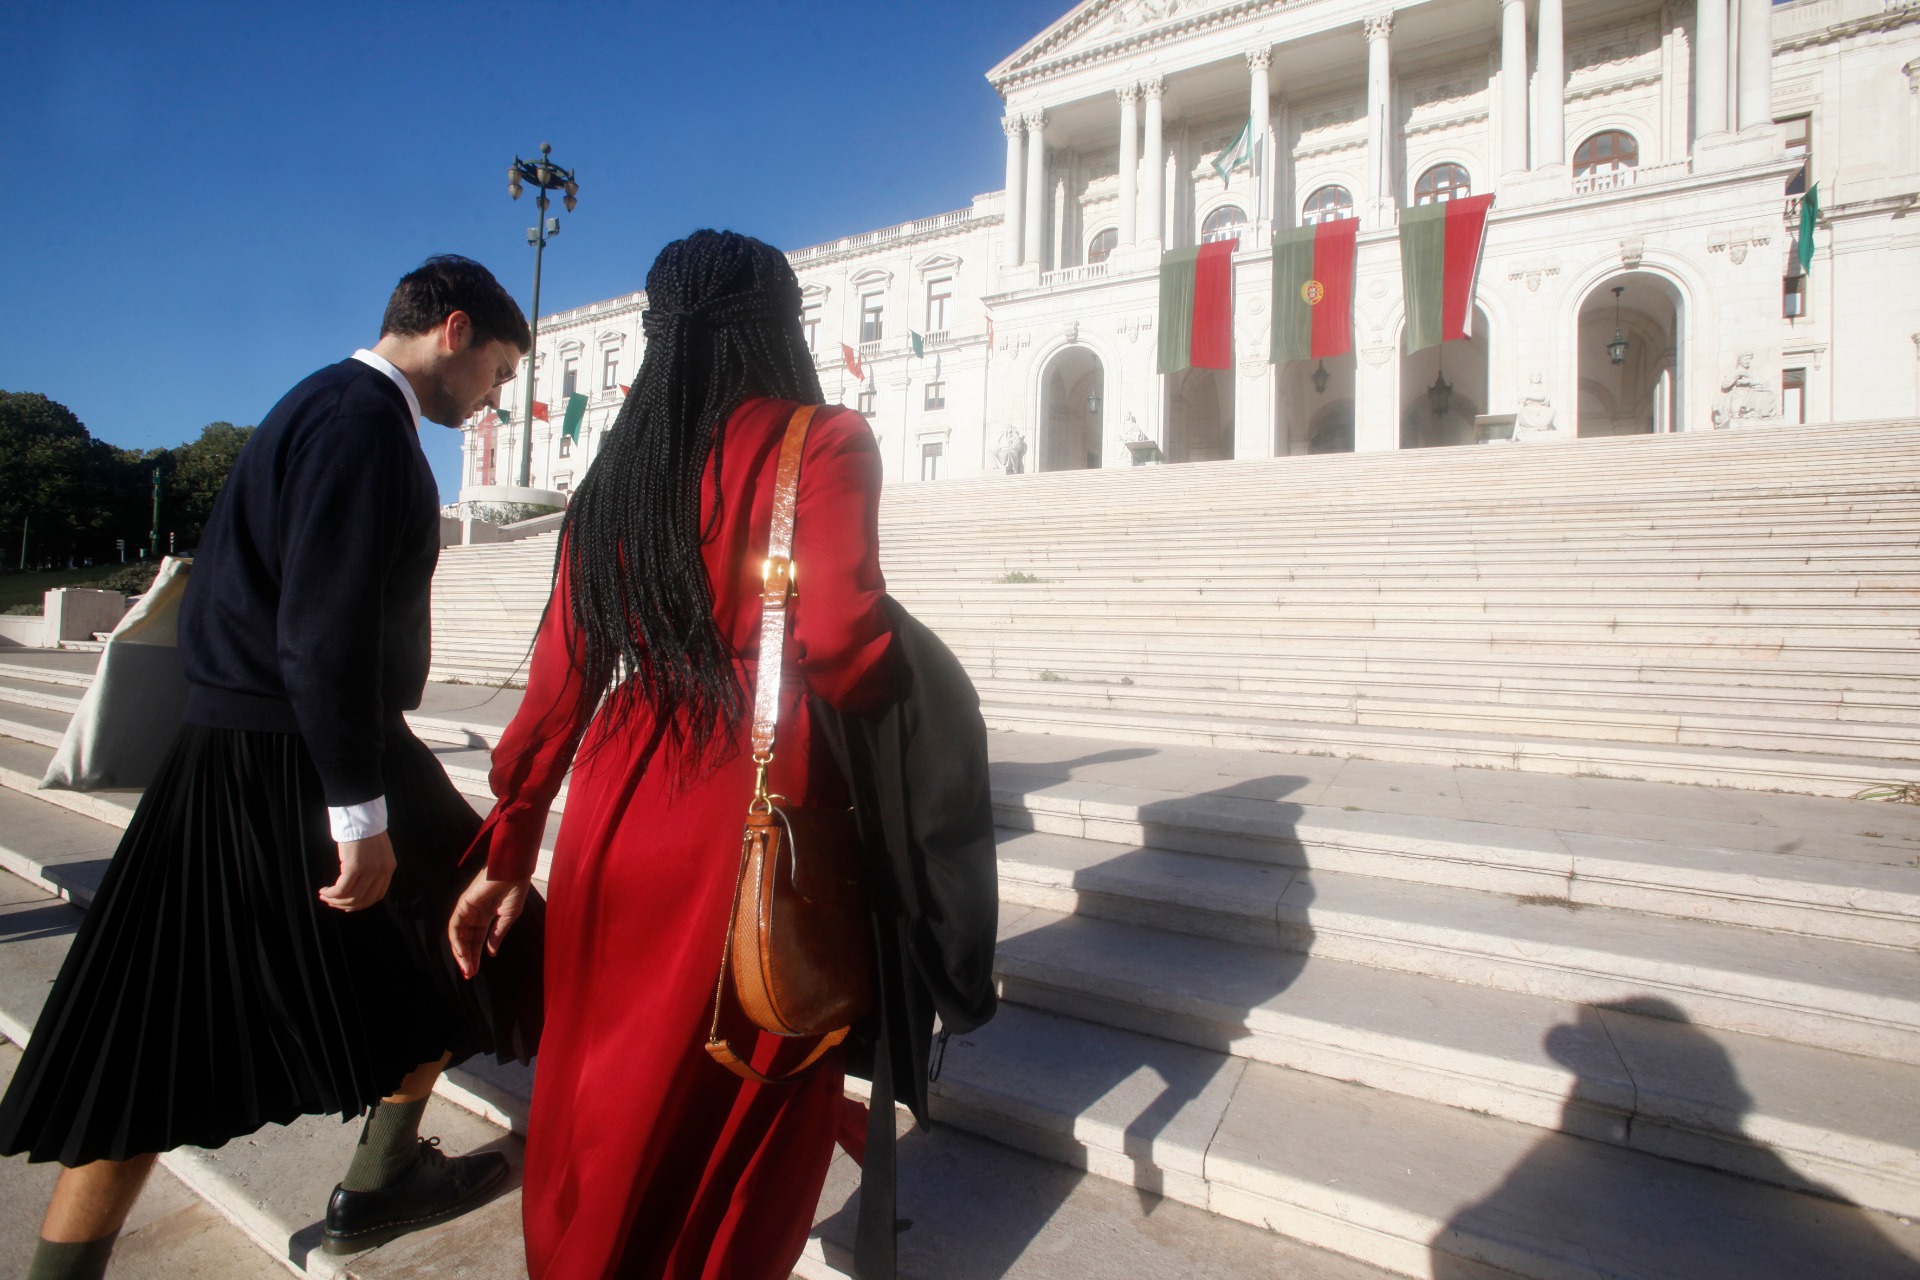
75,496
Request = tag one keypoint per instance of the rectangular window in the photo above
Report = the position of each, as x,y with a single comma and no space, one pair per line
939,294
1793,395
930,457
566,446
1799,143
810,324
865,404
873,309
563,481
936,395
610,372
569,379
1793,297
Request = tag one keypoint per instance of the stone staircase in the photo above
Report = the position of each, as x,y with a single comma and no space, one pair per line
1273,1014
1729,609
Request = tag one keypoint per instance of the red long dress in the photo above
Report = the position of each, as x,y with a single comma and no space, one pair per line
645,1157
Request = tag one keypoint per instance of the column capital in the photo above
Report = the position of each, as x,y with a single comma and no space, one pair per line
1377,27
1259,59
1035,121
1508,4
1012,126
1156,86
1128,93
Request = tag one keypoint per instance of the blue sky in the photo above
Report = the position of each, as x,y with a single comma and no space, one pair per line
208,201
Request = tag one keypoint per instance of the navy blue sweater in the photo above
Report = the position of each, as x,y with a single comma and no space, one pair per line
307,608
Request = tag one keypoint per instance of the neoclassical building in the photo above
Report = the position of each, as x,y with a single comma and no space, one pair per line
1641,270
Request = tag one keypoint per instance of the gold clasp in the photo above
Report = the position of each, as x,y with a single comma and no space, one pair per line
788,574
761,802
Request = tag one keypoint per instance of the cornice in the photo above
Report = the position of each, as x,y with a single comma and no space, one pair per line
1892,20
1039,60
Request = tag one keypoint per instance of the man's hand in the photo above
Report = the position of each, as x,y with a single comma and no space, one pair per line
482,917
366,867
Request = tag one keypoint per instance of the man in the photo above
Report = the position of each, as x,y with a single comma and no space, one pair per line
270,938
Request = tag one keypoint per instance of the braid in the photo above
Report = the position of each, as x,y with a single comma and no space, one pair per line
722,325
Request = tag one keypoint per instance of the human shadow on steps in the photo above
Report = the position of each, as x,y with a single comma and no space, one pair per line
1593,1208
1180,934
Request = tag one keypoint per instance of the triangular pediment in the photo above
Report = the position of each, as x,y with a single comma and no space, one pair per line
1098,25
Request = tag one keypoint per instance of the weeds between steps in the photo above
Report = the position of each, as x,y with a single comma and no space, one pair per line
1019,576
1896,792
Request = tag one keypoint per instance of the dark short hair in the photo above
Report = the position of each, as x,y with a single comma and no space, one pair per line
446,283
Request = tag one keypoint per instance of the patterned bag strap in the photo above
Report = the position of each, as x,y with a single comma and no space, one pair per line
777,591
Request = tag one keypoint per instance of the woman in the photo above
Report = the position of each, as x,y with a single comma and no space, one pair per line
644,1156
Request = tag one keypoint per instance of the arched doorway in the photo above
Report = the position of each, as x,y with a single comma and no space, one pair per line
1640,394
1072,404
1443,389
1200,415
1315,411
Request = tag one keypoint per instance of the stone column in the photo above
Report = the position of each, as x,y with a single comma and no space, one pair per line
1756,63
1036,122
1153,200
1513,85
1129,160
1259,109
1550,142
1709,68
1016,214
1380,184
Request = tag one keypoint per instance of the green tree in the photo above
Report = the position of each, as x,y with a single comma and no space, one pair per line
192,480
48,482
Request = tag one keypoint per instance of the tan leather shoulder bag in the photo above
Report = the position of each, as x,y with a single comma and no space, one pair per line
799,945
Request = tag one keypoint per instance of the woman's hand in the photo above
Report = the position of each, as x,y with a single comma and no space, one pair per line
482,917
366,869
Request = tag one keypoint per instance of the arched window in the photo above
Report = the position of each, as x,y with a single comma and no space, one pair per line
1606,152
1102,246
1442,182
1326,204
1225,223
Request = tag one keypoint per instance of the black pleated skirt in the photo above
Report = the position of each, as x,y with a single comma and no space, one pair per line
209,991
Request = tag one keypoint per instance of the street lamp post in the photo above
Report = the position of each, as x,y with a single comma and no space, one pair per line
153,536
545,176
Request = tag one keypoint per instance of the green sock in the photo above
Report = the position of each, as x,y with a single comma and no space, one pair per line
59,1260
389,1144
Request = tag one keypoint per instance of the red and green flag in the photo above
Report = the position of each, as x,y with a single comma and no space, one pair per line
1196,307
1313,291
1809,215
1440,247
576,414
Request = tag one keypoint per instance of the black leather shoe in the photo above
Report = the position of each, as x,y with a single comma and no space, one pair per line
438,1187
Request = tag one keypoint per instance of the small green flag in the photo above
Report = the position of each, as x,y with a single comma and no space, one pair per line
919,343
1809,212
1238,152
576,414
505,417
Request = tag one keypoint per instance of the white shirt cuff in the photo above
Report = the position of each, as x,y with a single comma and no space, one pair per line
358,821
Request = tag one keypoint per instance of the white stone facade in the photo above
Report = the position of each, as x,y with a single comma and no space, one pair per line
1038,303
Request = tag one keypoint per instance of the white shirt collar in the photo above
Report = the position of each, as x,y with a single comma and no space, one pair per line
392,370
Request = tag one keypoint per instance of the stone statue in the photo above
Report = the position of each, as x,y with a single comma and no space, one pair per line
1535,419
1011,452
1743,397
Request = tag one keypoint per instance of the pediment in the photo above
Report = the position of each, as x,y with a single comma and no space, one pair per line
938,262
1097,25
815,292
871,277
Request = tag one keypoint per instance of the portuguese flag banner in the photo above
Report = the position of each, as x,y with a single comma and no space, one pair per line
1439,262
1196,307
1313,291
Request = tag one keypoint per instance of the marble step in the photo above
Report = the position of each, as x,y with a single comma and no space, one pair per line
1853,997
33,723
1853,888
1808,773
1413,1187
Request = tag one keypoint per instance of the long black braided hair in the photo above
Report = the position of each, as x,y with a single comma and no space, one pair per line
722,324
